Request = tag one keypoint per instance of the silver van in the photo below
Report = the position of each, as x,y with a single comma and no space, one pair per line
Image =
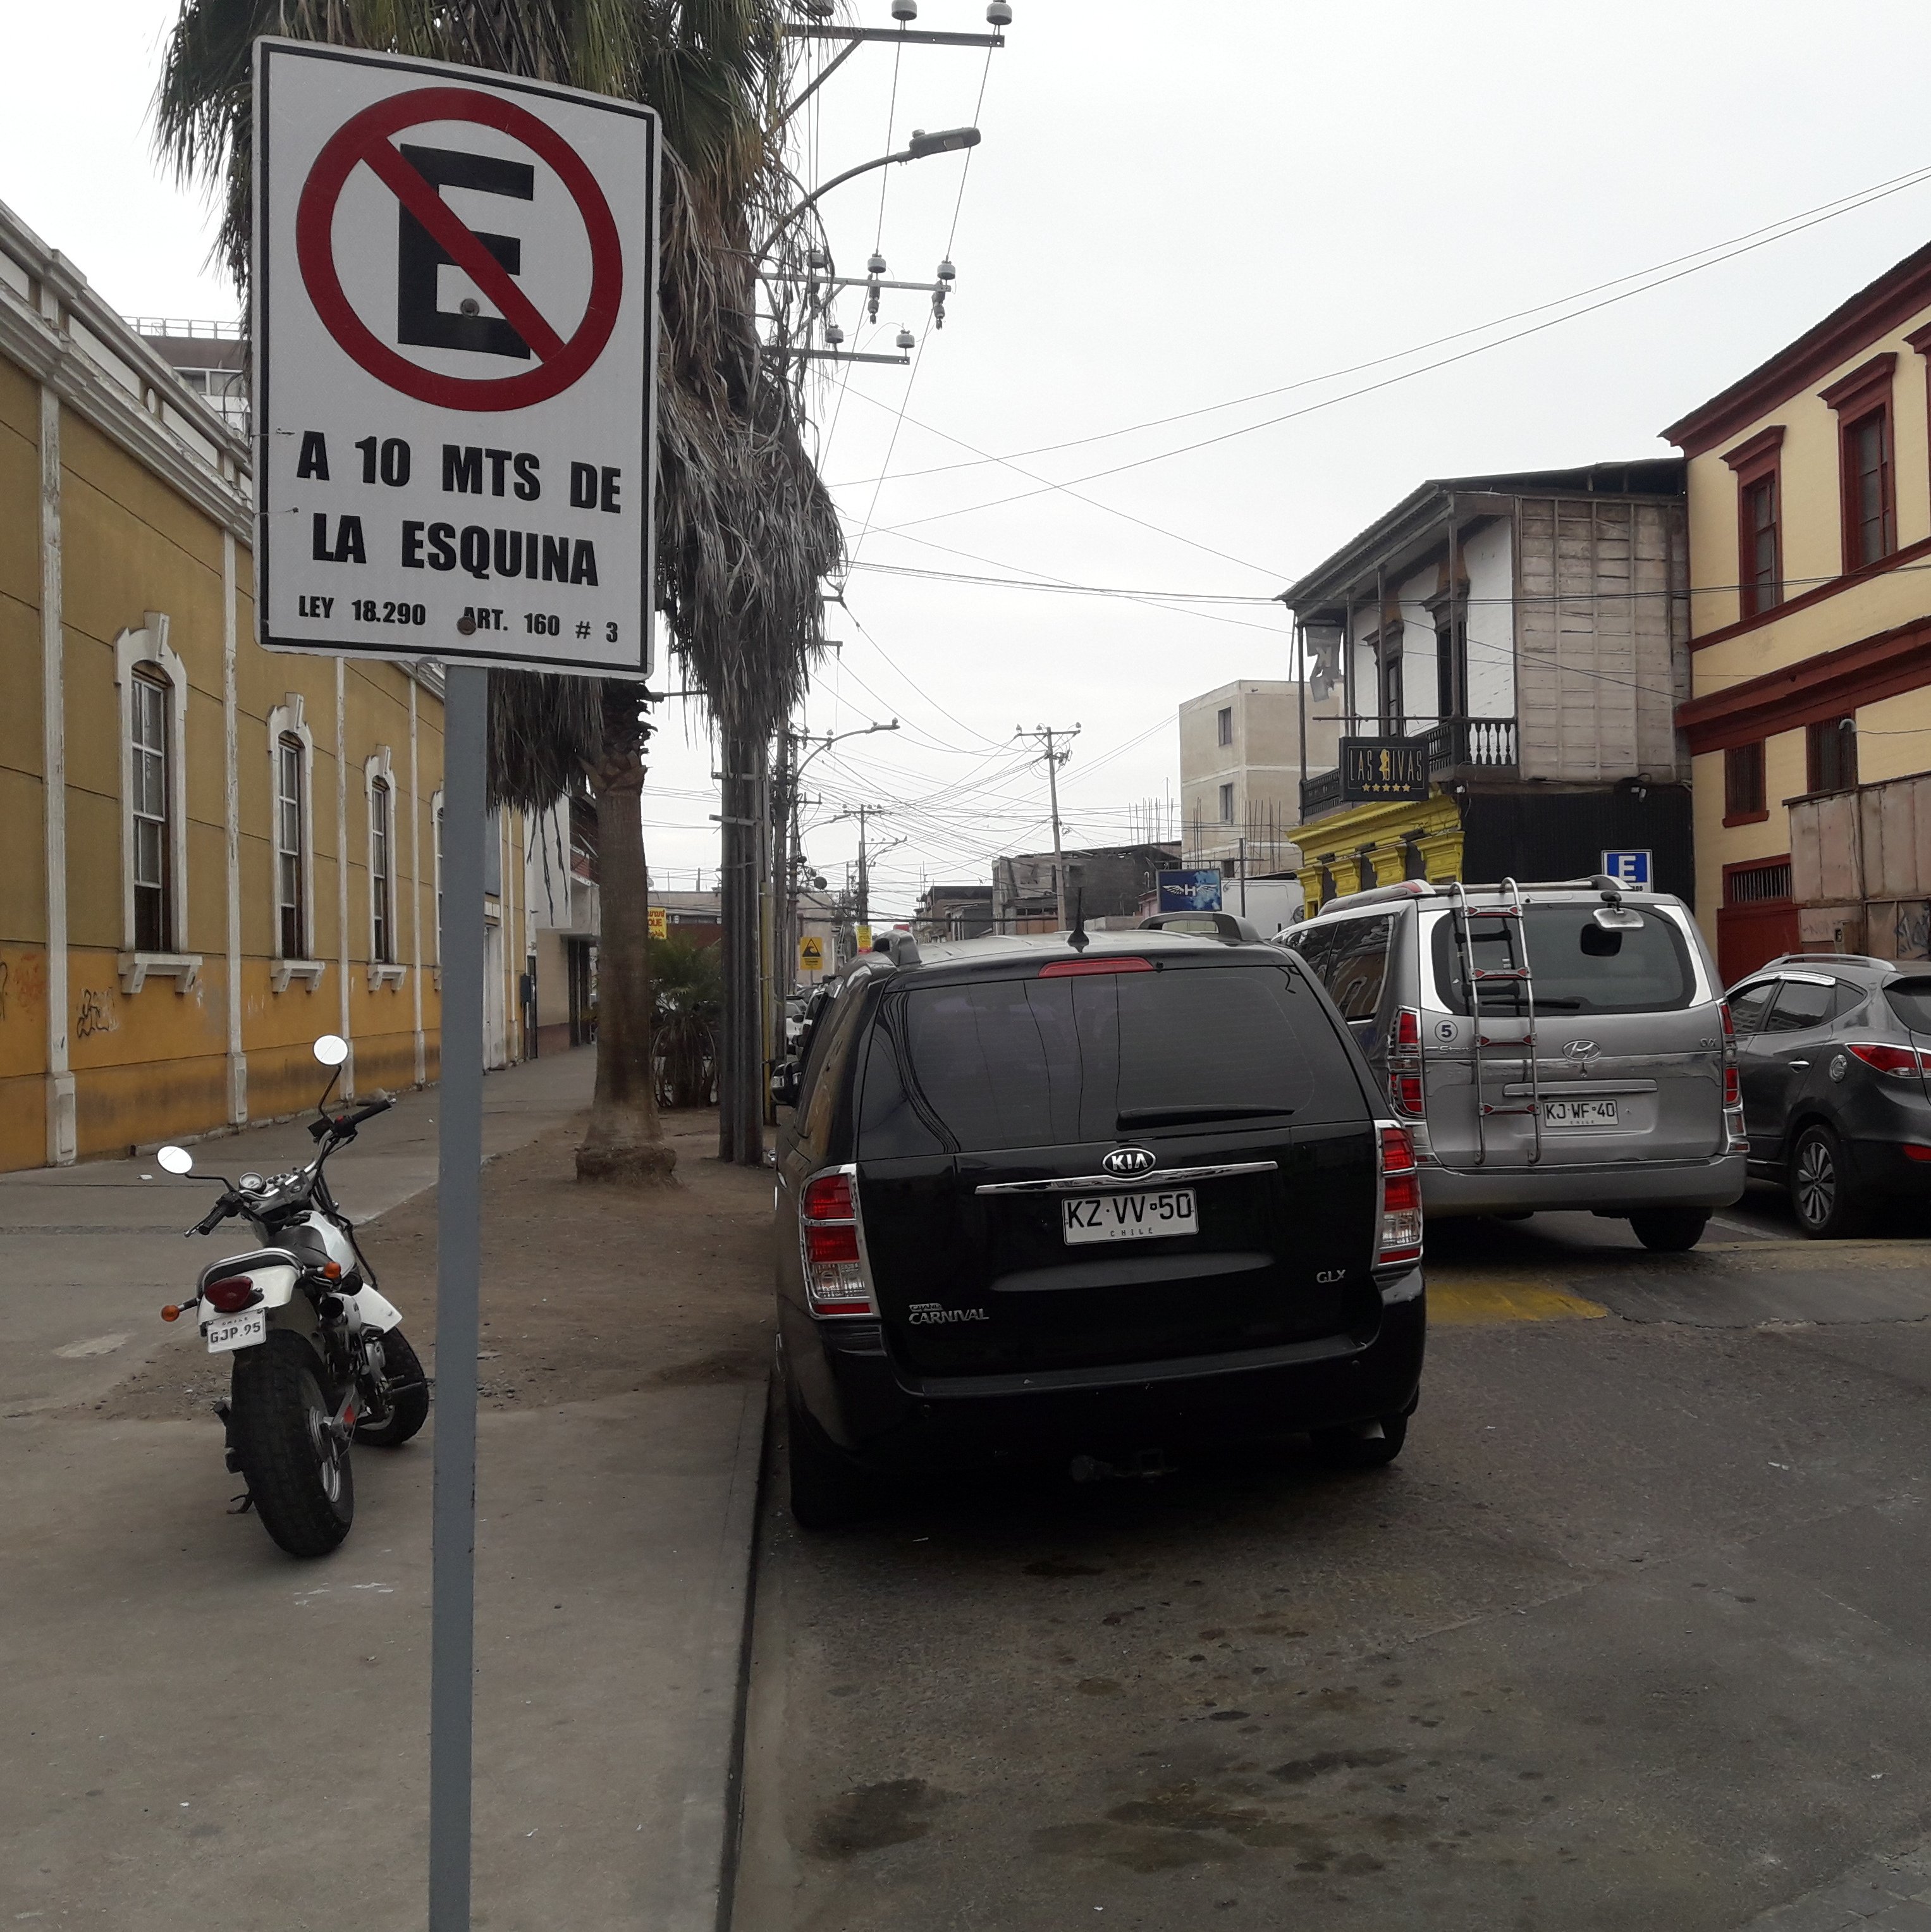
1553,1046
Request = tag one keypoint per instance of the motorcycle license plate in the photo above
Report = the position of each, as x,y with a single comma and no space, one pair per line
237,1331
1128,1217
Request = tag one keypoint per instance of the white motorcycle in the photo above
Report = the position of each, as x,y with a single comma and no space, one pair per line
320,1359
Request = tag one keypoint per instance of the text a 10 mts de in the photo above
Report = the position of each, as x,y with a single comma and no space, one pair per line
484,552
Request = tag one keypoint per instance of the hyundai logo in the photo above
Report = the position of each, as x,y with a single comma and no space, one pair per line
1580,1050
1131,1160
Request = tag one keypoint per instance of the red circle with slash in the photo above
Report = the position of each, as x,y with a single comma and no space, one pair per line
366,138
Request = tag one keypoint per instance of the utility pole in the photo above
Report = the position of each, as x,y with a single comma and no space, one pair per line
1052,737
864,814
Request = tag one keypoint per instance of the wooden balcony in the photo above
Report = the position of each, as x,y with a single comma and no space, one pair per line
1456,746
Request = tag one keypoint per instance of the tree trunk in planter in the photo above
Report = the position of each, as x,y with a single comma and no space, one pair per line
625,1141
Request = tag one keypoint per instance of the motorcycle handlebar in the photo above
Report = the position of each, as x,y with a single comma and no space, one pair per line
214,1217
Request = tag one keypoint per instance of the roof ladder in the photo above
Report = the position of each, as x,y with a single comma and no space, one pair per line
1517,974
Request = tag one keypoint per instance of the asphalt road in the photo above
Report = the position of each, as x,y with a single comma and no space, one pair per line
1635,1633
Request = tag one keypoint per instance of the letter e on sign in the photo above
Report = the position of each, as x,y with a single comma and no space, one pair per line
458,269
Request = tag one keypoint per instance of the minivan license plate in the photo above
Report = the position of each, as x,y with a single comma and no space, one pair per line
1579,1113
1145,1216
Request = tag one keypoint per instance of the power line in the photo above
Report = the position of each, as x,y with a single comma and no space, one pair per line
1426,368
1824,210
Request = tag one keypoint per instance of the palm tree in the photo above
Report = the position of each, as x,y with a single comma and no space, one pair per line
745,529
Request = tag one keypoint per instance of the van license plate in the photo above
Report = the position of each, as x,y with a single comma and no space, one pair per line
1147,1216
237,1331
1579,1113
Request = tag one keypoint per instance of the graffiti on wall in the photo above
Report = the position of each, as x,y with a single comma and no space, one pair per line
96,1014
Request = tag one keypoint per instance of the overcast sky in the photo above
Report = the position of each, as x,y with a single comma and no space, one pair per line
1177,207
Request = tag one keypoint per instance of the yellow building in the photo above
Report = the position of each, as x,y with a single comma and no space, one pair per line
1809,720
215,853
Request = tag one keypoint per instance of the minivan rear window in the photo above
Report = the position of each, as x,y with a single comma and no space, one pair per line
1910,1001
1579,967
1031,1063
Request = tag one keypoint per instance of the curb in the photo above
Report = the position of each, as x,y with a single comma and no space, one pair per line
693,1891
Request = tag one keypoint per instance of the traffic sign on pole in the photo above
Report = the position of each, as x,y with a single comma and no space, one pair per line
454,350
1632,870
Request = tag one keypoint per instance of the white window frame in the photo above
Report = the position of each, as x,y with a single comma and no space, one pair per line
377,768
286,721
149,646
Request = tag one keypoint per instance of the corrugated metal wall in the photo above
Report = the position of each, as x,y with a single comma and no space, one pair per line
1601,661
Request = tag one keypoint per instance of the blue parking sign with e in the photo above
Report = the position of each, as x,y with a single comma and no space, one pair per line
1630,870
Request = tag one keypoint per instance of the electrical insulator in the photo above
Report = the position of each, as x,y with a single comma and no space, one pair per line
947,273
904,9
876,265
834,334
938,308
907,340
999,14
818,260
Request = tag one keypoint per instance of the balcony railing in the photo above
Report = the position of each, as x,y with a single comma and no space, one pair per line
1457,744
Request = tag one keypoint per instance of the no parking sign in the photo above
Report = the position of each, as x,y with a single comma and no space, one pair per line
455,343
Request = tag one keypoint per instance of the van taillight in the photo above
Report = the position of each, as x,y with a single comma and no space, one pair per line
1729,1025
1733,1089
231,1296
1400,1242
832,1253
1405,1088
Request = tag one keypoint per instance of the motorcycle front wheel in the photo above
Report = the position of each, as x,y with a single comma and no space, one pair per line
297,1466
409,1407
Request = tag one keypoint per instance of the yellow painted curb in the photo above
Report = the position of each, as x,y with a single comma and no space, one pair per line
1481,1299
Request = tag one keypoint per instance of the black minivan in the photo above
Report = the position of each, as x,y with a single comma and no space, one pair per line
1087,1198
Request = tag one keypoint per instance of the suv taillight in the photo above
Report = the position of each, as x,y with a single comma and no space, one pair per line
1404,1075
831,1247
1902,1063
1399,1241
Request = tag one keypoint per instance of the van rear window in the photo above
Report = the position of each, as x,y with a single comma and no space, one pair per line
1033,1062
1579,967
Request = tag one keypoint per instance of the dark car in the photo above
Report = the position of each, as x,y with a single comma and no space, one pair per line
1834,1053
1040,1203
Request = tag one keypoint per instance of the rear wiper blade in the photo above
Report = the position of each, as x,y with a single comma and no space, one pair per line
1174,1116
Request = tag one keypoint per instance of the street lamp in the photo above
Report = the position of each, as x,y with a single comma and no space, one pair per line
920,147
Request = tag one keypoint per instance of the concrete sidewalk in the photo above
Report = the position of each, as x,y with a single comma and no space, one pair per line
88,1254
199,1731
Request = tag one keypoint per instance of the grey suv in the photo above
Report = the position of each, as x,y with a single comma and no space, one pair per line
1834,1050
1554,1046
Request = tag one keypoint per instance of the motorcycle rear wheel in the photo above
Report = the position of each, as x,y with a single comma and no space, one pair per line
409,1408
298,1472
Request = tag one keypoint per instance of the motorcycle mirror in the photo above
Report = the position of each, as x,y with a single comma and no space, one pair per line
176,1159
331,1049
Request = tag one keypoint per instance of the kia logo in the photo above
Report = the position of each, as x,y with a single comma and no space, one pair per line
1131,1160
1580,1050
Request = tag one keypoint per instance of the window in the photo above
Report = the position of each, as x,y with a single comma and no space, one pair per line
1830,755
1451,667
150,796
1870,517
291,847
1761,560
1803,1004
1388,678
1765,884
382,895
1356,967
1750,1004
1226,725
1743,783
1227,805
1580,968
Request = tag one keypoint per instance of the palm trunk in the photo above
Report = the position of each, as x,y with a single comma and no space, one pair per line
625,1141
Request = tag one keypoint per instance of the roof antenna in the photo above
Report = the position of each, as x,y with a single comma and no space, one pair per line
1077,939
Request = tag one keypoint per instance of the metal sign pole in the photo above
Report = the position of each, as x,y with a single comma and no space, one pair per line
452,1638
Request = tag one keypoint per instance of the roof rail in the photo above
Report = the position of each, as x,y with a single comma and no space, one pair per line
1226,925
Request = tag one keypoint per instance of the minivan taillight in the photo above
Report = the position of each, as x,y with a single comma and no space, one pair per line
1399,1243
1405,1073
830,1246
